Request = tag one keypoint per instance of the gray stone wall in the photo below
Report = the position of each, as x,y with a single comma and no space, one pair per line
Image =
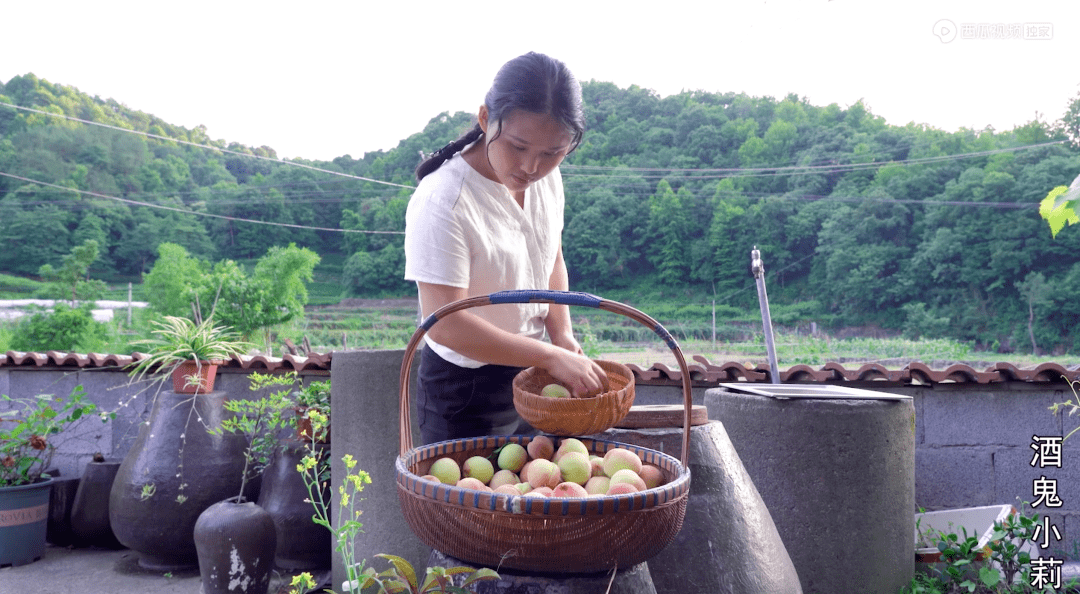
113,391
973,447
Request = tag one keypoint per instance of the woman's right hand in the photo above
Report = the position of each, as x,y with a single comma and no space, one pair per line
576,372
480,340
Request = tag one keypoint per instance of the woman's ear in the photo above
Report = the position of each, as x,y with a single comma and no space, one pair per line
482,118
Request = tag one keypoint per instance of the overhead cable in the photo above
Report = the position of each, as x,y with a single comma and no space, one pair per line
789,169
195,213
205,146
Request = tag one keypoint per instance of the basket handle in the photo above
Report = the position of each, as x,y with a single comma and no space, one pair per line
538,296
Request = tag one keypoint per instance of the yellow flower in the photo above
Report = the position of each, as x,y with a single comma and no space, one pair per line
304,579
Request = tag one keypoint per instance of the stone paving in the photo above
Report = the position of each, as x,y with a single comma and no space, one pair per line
68,570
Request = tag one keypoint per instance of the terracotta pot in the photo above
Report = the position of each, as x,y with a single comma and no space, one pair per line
236,543
303,427
205,371
145,512
24,515
302,544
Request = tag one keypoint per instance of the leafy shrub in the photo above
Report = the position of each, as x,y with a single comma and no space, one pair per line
794,313
918,322
1001,567
63,329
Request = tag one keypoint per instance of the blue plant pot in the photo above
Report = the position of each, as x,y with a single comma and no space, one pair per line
24,518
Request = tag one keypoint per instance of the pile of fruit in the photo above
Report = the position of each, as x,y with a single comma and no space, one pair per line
539,470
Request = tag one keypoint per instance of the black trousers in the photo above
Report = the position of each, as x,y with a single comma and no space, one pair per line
454,402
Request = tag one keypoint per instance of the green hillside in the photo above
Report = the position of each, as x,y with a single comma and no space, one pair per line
861,223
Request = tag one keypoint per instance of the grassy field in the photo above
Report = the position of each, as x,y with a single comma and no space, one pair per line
388,324
17,287
331,323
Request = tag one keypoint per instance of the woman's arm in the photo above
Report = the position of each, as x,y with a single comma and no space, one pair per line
478,339
559,326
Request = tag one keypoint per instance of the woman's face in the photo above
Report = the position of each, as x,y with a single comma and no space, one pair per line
526,148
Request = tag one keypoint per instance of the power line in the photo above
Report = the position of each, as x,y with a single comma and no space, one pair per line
191,212
330,200
787,170
205,146
860,199
571,174
660,172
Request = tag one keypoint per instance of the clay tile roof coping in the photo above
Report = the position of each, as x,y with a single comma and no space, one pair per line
703,372
804,373
644,374
840,372
1049,372
874,372
672,374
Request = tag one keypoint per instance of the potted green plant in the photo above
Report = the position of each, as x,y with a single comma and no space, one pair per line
151,509
26,450
315,396
236,539
188,352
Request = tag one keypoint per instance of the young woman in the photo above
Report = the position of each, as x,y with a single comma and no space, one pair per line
487,216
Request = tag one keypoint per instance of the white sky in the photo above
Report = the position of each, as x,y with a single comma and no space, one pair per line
320,79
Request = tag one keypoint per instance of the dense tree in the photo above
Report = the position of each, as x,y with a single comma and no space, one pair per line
274,293
174,281
668,235
31,236
72,278
601,240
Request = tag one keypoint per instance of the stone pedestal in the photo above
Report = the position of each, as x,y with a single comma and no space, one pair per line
633,580
365,424
838,476
728,543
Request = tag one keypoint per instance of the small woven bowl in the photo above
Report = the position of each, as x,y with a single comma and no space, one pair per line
574,416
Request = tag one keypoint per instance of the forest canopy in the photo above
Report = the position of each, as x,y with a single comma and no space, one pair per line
860,222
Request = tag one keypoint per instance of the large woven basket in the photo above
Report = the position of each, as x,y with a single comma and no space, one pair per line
574,416
539,534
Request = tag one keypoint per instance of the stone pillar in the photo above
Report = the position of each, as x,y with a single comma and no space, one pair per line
838,476
364,423
728,543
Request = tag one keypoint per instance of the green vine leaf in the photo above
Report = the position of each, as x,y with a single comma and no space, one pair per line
989,576
1059,206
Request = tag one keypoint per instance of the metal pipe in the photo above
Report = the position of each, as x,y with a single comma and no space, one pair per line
758,268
